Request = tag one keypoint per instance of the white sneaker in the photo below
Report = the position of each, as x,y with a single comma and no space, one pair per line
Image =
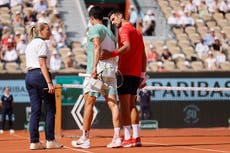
116,143
81,143
1,131
12,131
53,144
36,146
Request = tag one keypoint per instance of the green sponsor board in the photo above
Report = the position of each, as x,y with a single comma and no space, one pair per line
69,95
149,124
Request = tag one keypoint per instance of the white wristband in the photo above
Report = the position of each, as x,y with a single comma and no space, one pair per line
143,74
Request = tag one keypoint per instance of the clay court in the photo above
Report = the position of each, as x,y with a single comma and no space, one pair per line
189,140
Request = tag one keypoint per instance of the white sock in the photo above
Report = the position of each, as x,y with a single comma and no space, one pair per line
116,133
135,130
127,130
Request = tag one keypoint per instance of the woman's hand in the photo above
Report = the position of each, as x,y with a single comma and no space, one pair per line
51,88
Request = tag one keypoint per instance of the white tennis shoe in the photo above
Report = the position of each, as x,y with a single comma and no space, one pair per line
36,146
116,143
81,143
53,145
12,131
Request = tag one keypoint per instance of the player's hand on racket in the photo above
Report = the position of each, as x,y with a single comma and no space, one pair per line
105,54
142,84
94,73
143,81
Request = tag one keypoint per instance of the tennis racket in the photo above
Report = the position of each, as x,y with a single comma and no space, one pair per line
101,77
120,78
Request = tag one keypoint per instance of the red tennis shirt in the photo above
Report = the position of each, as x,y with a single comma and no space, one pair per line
130,63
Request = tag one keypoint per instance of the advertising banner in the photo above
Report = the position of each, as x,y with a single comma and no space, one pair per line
69,95
190,95
17,89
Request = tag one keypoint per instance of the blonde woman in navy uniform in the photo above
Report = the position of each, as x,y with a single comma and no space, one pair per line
37,79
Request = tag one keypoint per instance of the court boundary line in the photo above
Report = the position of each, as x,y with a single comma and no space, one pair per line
81,150
191,148
74,149
147,143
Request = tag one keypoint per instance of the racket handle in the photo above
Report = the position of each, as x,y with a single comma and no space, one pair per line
47,89
84,75
144,80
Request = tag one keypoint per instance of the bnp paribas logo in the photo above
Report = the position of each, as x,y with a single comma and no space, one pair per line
191,114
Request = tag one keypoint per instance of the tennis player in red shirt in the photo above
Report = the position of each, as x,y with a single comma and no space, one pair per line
132,65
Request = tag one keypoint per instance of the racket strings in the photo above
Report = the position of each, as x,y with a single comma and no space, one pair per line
119,76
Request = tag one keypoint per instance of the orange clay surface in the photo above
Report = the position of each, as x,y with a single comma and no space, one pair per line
190,140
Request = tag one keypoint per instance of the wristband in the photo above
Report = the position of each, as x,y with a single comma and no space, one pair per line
143,74
115,53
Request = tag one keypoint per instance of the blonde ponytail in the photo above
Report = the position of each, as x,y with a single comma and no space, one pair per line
32,32
35,29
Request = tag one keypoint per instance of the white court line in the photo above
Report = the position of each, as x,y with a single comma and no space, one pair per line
191,148
19,136
81,150
74,149
211,150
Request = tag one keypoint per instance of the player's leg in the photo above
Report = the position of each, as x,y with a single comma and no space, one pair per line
112,103
135,122
89,101
126,119
124,92
136,141
84,141
113,106
88,112
134,112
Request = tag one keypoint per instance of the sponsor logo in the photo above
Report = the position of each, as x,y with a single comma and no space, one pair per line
191,114
77,112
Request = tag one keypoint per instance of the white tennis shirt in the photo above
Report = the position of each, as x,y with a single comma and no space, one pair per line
36,48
